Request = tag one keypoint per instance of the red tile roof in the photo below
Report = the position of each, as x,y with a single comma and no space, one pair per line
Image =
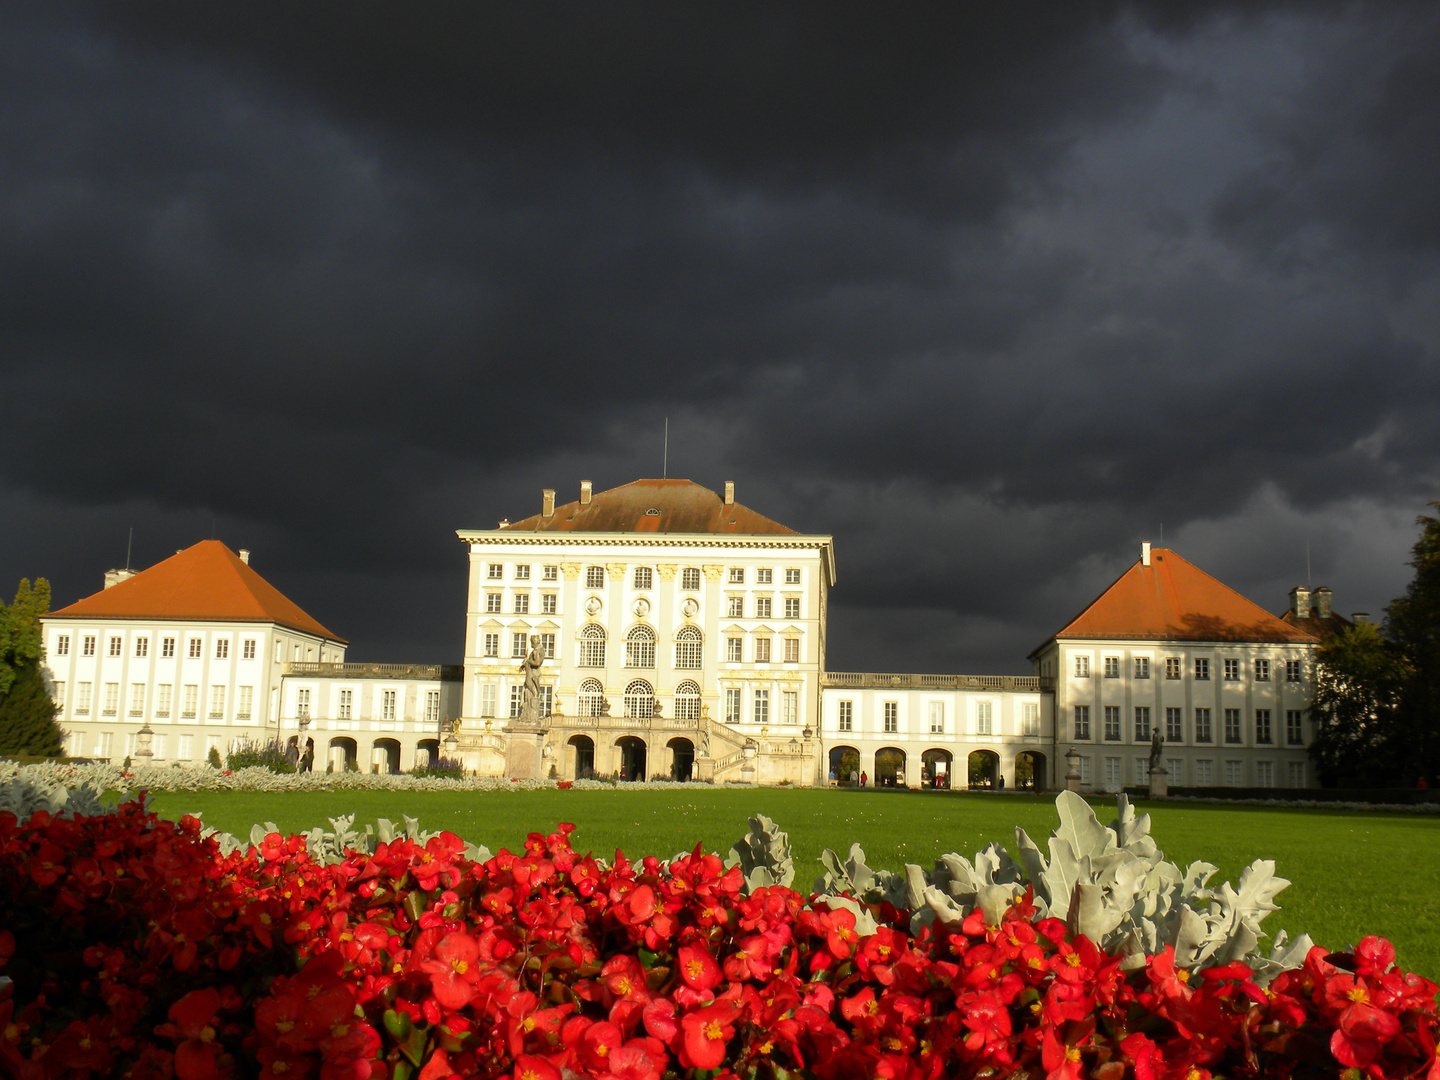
683,507
1174,600
204,583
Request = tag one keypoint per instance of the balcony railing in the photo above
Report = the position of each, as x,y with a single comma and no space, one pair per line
882,680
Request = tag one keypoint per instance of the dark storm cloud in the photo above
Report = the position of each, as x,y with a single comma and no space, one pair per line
988,296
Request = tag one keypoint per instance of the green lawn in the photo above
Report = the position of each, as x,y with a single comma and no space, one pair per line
1353,873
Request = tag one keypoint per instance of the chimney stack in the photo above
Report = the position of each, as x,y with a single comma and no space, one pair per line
245,556
547,503
1145,553
1300,602
1361,616
584,492
114,577
1322,602
729,492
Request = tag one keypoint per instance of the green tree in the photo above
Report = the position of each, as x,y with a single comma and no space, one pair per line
1358,684
1412,624
27,711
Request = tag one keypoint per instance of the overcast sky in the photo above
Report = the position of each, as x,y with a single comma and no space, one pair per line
990,293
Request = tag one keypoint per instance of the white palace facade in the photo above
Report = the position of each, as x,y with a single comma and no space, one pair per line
684,635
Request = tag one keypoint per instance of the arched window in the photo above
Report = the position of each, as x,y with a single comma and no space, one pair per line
639,699
688,644
592,646
640,648
591,695
687,701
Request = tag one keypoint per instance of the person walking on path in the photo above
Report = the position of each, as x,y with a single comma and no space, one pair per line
864,779
307,759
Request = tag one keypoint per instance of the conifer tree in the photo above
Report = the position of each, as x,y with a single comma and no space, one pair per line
1412,624
27,711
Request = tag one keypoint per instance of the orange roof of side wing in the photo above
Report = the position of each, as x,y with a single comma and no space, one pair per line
206,582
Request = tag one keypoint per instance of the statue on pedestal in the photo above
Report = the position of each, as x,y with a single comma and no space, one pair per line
530,691
1155,743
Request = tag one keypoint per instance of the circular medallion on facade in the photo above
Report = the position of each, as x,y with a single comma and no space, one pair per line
642,608
690,607
593,605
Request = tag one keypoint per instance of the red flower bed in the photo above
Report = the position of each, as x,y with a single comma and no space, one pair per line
136,949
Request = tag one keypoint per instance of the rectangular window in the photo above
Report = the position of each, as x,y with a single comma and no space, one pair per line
82,699
137,699
735,607
62,645
792,575
1142,667
495,571
186,749
644,577
432,706
1293,735
222,649
1204,773
492,602
1202,726
387,705
248,651
1264,774
1114,780
157,745
690,579
115,646
1202,669
517,695
1082,722
1029,718
762,650
102,749
1232,725
212,742
1112,722
789,707
1262,670
519,646
892,717
244,701
1295,773
1172,667
762,607
549,603
88,648
1262,726
1234,773
937,718
547,646
1142,723
112,698
59,697
544,700
522,603
594,577
1232,670
732,706
1174,725
217,702
764,576
492,645
522,573
195,647
550,573
847,716
1176,768
142,647
792,650
347,704
488,693
737,575
162,700
1082,667
1292,670
982,717
732,650
762,706
302,701
792,607
1112,667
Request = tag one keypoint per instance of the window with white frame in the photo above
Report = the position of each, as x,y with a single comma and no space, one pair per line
1112,667
1112,723
590,696
102,747
59,697
195,647
1081,722
732,705
789,707
115,645
1142,667
845,713
594,577
519,645
347,704
493,601
1176,768
690,579
1232,670
792,607
792,575
687,700
87,647
763,606
937,717
167,648
1172,667
892,717
1262,671
792,650
112,699
244,700
1295,773
549,603
82,699
644,577
495,571
387,705
550,573
1029,718
522,572
639,699
640,649
185,748
522,603
162,700
764,576
212,742
1232,725
1202,726
1262,727
1292,671
222,649
137,699
1114,774
737,575
1264,774
248,652
544,700
1202,669
158,745
735,607
762,650
1293,734
142,647
1174,724
733,650
1204,772
762,706
547,646
517,698
489,696
689,648
62,645
1082,667
492,645
217,701
1142,723
982,718
592,645
1234,773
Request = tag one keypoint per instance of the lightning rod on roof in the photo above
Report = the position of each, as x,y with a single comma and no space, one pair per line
128,545
665,459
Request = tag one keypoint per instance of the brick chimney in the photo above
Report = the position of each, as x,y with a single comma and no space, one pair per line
547,503
729,492
1300,601
1322,602
584,492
